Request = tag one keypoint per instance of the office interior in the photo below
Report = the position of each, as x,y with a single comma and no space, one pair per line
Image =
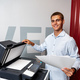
21,19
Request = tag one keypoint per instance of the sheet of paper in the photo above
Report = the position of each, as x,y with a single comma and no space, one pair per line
3,79
19,64
57,61
29,73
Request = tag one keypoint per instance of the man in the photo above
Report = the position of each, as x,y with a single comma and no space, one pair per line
61,44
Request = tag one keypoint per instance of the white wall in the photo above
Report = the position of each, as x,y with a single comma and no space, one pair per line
31,13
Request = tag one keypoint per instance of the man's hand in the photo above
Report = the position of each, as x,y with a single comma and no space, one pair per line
68,72
28,42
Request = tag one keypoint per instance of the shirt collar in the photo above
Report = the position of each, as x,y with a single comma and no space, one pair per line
60,35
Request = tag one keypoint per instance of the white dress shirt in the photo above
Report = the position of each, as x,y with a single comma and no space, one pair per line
62,45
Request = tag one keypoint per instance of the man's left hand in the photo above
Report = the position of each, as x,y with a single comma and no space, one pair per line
68,72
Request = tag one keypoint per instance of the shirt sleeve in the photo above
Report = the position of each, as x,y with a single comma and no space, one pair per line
40,48
73,52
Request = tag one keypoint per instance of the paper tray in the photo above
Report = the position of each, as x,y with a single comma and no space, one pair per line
41,74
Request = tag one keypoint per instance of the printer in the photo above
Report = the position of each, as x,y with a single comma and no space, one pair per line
14,67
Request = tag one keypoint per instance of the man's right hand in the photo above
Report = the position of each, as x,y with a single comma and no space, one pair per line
28,42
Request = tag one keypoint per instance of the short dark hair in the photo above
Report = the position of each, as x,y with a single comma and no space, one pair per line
58,13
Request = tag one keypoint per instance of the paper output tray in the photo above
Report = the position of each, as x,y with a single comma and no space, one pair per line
41,74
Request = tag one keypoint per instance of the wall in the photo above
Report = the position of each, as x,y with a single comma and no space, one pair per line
21,19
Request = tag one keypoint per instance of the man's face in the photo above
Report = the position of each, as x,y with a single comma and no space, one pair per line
57,23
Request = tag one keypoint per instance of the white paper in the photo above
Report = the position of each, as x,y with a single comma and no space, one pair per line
3,79
29,73
57,61
19,64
